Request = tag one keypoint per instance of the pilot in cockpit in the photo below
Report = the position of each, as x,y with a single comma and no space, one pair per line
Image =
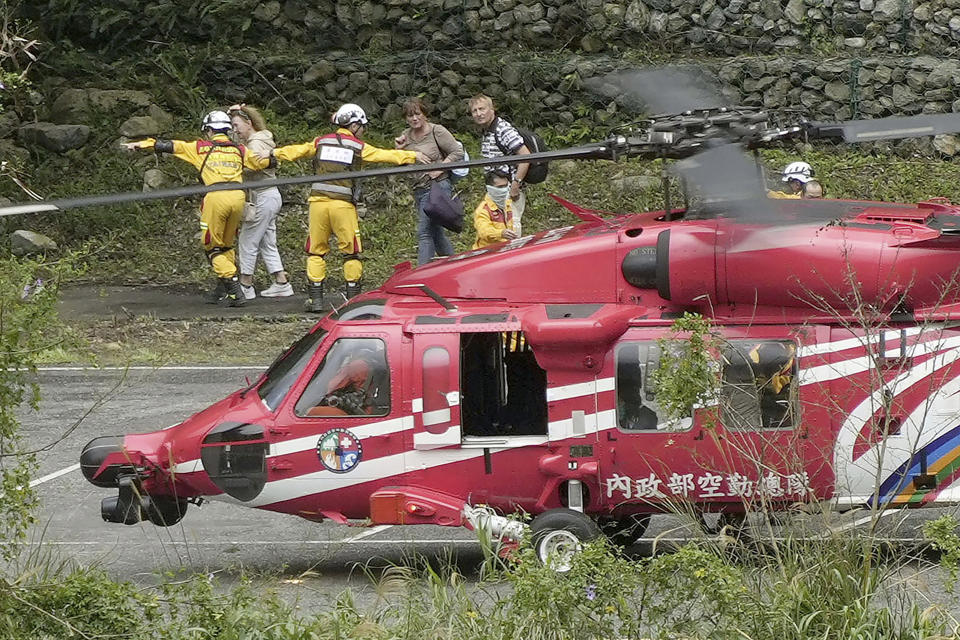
361,385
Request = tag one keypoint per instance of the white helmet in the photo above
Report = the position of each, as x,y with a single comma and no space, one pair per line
799,171
348,114
216,121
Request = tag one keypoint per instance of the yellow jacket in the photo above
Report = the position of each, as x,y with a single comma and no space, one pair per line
218,159
490,220
780,195
368,153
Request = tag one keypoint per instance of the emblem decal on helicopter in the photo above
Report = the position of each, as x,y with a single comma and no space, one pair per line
339,450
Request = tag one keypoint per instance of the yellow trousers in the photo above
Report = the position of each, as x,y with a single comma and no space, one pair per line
220,213
338,217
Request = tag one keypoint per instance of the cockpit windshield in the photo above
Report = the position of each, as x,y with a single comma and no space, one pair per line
285,370
368,309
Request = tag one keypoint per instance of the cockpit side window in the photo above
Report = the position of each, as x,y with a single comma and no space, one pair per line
352,380
286,369
758,389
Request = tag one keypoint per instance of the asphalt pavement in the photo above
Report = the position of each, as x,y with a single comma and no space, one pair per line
306,561
92,301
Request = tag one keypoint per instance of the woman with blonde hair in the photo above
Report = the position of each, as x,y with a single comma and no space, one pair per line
258,235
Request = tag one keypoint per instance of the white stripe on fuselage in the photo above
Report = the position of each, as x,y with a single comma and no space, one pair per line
369,430
929,420
853,343
859,364
405,423
398,463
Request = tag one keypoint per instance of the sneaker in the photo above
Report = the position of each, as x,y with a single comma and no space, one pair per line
248,291
277,290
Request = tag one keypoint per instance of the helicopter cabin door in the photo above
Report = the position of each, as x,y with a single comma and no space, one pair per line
436,390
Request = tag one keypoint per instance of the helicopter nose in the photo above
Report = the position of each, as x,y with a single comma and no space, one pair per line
93,456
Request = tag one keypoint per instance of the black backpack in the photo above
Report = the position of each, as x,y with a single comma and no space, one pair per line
537,172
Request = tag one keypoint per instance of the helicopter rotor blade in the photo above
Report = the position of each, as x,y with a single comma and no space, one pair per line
723,179
661,89
594,151
886,128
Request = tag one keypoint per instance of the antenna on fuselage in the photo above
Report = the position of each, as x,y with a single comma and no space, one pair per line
439,299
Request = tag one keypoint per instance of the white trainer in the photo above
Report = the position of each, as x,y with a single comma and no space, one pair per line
248,291
277,290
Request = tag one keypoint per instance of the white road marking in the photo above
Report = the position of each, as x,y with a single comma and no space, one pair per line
264,543
239,367
369,532
462,541
55,474
857,523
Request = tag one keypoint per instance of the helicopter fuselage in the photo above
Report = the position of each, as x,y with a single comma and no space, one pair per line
523,377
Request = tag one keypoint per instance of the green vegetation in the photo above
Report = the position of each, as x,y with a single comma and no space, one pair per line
792,591
756,587
688,374
28,297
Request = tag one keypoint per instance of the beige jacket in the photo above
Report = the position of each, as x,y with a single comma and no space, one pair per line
259,143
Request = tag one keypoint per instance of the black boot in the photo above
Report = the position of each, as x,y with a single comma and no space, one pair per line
234,294
351,289
217,294
315,297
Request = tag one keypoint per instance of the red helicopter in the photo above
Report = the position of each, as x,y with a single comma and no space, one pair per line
521,377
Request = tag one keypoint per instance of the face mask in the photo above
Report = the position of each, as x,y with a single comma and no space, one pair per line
498,195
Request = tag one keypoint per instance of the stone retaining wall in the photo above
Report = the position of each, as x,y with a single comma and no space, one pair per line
650,27
542,90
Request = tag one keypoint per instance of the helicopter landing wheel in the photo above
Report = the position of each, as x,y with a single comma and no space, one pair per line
624,531
558,534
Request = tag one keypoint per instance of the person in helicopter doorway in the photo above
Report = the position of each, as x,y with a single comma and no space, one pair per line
794,176
773,364
332,203
218,160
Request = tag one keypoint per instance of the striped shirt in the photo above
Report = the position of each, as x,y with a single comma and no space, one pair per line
509,139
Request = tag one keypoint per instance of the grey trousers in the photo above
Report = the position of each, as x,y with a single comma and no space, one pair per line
258,237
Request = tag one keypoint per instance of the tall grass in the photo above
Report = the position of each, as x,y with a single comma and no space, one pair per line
784,588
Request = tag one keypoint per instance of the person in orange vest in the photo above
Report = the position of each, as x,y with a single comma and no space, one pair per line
332,208
218,160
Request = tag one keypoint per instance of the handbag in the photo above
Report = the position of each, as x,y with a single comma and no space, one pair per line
249,212
444,209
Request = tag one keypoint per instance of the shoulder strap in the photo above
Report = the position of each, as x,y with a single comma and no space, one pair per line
443,152
216,143
496,138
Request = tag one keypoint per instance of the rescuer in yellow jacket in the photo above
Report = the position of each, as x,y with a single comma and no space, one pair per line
332,208
796,175
219,160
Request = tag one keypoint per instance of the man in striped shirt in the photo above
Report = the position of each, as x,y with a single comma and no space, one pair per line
500,138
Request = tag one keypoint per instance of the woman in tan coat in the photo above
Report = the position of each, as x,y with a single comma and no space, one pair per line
258,235
438,145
